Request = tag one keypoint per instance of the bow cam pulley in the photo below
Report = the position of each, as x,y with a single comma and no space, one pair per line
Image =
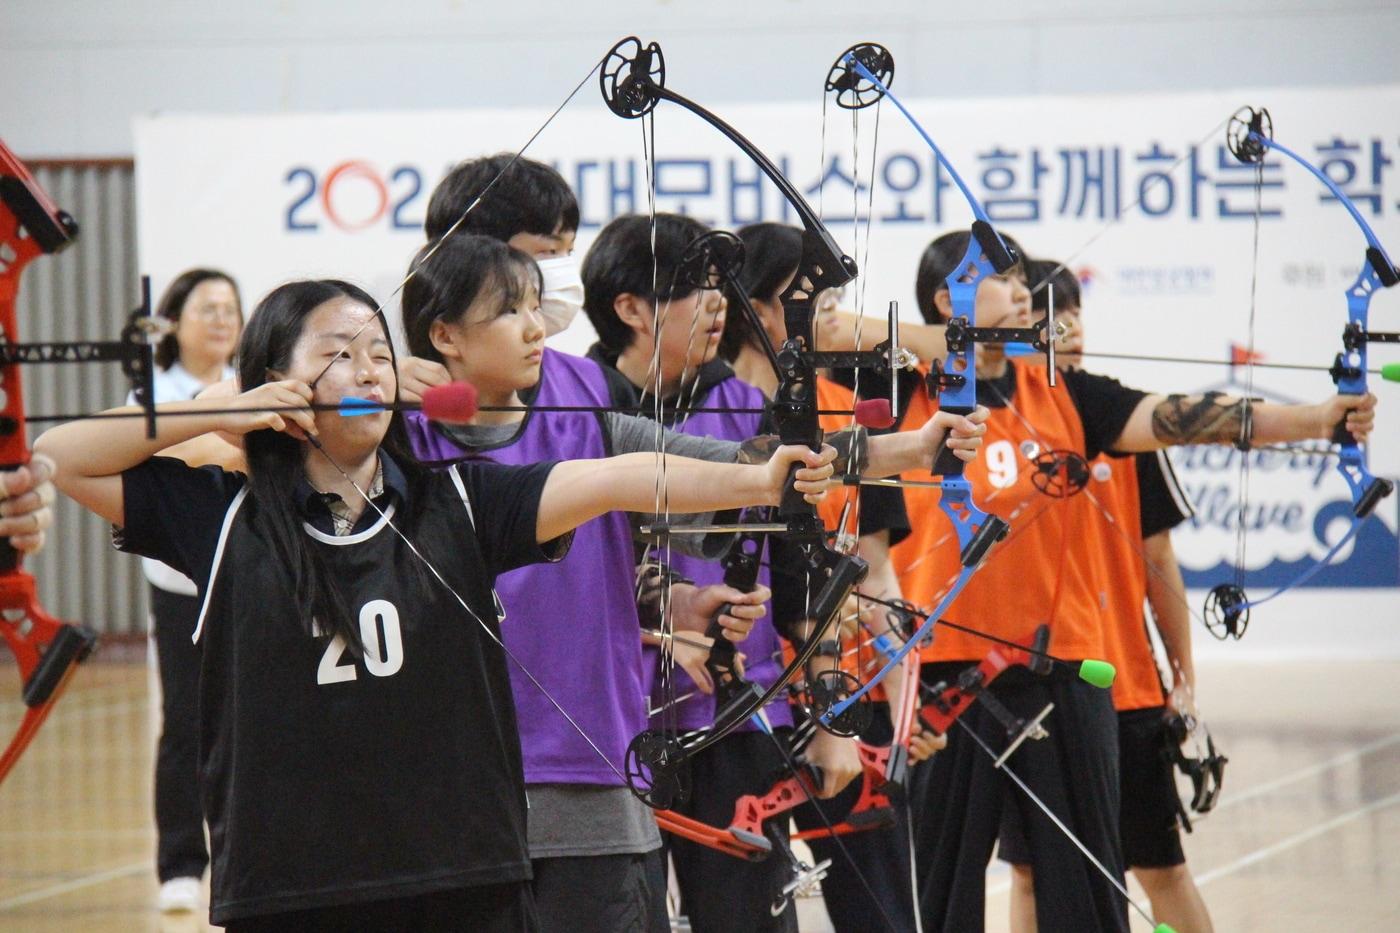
630,77
853,90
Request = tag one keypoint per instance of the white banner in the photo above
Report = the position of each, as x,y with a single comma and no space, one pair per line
1147,179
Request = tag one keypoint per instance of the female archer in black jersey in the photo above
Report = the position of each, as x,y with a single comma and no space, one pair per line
359,761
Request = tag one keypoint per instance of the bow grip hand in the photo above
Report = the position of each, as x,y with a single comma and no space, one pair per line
945,462
806,472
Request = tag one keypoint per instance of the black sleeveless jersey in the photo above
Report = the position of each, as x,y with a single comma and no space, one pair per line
329,779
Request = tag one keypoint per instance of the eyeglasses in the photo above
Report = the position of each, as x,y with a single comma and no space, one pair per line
210,314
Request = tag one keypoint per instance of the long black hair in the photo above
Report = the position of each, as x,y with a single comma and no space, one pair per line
939,260
450,275
772,253
276,460
172,305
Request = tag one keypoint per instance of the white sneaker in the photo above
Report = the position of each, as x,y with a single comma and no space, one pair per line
180,894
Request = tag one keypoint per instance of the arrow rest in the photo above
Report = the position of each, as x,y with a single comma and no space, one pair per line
853,90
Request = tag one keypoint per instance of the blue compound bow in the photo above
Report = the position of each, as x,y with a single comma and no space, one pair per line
1250,139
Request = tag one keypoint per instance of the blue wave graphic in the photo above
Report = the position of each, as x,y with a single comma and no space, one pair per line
1374,562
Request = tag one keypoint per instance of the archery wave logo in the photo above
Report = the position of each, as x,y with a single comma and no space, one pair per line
1297,508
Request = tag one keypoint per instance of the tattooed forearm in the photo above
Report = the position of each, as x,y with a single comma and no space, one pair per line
1213,418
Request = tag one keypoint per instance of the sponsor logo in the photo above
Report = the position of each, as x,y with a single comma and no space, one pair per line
352,196
1166,280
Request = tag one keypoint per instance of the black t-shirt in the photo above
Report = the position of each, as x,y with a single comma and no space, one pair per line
1162,502
1104,404
334,779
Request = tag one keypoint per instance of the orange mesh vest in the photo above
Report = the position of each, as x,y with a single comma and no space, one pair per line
1123,580
1045,570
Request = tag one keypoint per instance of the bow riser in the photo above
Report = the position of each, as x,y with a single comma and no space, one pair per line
871,810
47,651
751,848
732,689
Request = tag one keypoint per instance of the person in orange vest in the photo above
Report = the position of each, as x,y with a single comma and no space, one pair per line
1138,501
1045,572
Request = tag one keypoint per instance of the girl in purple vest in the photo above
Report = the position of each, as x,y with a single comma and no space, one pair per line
665,345
360,766
471,305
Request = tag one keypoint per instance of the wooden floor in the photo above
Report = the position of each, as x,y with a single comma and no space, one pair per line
1307,836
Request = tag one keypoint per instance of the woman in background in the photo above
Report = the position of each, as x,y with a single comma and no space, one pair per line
208,317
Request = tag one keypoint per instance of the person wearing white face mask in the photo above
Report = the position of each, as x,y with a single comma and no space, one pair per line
529,207
562,296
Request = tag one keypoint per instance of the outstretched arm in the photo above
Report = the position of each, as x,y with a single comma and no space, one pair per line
92,453
580,490
1161,421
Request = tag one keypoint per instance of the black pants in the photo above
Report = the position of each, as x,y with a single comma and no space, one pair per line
180,849
958,798
488,908
741,763
600,894
869,885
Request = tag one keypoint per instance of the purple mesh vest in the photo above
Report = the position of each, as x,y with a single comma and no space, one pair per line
761,648
573,624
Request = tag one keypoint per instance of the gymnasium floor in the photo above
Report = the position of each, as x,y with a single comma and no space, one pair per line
1307,836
